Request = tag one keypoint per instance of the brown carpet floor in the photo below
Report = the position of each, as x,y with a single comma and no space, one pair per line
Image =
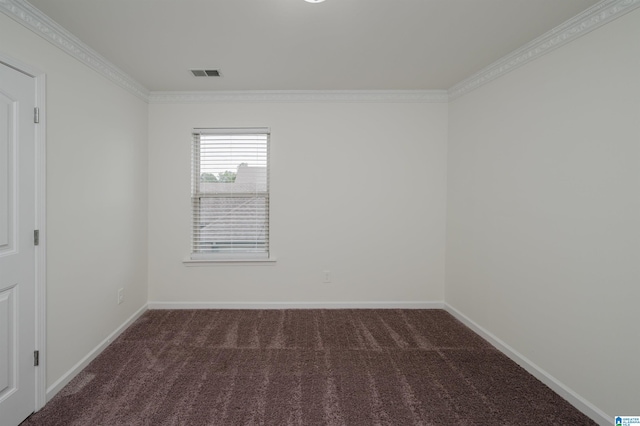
304,367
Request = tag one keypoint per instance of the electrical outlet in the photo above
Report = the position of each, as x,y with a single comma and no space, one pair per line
326,276
120,296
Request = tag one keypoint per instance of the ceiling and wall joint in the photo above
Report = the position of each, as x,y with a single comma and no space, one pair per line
592,18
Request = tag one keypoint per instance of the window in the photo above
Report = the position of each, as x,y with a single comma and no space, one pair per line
230,194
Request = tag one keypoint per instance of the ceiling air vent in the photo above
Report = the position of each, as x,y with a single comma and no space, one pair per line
206,73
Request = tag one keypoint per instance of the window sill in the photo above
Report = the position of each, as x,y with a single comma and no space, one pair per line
243,262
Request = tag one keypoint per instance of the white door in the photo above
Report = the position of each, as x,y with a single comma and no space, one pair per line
17,250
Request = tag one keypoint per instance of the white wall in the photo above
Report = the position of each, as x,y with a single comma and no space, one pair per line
357,189
543,219
96,199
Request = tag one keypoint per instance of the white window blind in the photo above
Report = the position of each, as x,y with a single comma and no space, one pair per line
230,193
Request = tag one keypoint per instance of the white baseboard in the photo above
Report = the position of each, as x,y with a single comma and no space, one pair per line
296,305
73,372
561,389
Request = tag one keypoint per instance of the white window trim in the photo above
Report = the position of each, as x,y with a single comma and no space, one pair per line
205,259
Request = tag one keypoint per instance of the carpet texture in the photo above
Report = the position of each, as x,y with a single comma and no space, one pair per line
304,367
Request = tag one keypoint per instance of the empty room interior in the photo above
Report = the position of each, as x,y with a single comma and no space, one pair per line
476,162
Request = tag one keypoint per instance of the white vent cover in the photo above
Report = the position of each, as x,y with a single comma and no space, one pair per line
206,73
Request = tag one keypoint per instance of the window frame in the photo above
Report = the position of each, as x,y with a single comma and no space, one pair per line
197,257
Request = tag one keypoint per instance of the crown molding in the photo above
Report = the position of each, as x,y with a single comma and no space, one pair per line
45,27
596,16
400,96
583,23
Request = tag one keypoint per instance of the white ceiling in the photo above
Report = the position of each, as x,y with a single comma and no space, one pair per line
294,45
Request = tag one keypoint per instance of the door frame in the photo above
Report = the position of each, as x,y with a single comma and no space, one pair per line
40,224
